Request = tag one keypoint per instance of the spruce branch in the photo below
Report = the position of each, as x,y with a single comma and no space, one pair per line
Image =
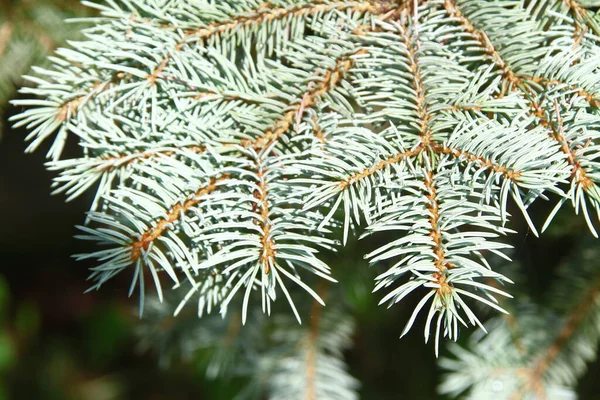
329,80
222,139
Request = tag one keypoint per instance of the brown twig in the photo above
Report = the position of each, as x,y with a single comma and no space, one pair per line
70,108
484,41
344,183
147,238
331,78
121,161
438,248
266,14
482,161
267,254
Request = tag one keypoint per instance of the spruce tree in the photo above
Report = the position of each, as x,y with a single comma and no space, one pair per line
232,144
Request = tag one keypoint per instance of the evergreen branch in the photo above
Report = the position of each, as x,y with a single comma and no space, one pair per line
267,14
421,110
432,254
259,239
58,112
180,337
381,165
121,161
508,74
77,175
416,118
422,113
511,77
578,173
422,106
267,253
591,98
438,250
70,108
543,359
147,238
318,347
506,171
330,79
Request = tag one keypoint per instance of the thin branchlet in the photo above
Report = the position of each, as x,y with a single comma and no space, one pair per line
123,160
433,208
589,97
267,252
329,81
507,172
266,14
142,244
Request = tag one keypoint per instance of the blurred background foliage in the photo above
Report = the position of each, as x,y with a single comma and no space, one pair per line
57,343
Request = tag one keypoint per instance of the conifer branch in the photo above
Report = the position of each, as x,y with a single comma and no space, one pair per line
592,99
267,14
421,102
267,253
369,172
417,118
121,161
507,172
177,211
330,79
514,81
508,74
543,359
578,174
438,248
71,107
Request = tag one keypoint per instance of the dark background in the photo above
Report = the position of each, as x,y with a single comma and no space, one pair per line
58,343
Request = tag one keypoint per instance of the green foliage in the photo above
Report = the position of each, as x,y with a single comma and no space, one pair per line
231,144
